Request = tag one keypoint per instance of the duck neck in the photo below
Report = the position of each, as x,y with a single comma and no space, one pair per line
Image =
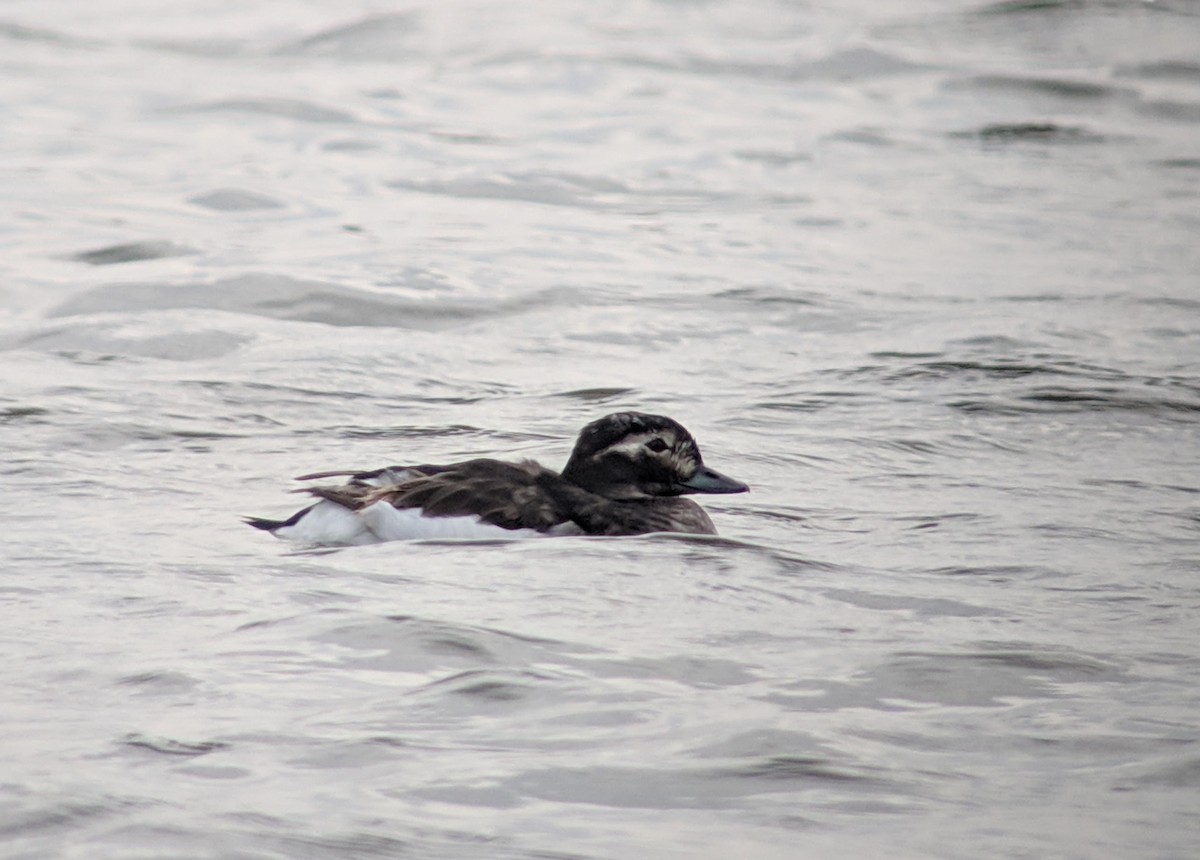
587,474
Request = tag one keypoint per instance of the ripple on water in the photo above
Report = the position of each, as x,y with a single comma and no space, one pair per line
410,644
762,224
1180,70
1062,399
691,787
1031,132
599,395
1031,383
172,746
285,298
484,690
552,189
92,341
23,414
42,818
372,37
132,252
235,200
1058,87
160,683
280,108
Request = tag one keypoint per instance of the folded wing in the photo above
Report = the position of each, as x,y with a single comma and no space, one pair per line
505,495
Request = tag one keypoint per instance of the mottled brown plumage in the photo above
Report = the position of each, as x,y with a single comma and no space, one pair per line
625,476
503,494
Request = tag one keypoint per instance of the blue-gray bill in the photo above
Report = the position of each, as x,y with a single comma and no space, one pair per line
706,480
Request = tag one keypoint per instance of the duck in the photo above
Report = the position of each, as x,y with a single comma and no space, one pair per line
628,474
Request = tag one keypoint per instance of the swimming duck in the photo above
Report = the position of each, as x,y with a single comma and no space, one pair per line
626,476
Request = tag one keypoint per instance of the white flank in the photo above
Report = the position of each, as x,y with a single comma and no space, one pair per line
329,524
390,523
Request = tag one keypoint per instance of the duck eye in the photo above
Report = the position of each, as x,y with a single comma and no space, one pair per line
657,445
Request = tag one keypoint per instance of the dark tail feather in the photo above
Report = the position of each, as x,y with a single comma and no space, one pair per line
270,525
265,525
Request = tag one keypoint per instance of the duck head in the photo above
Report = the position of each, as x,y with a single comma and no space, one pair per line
631,455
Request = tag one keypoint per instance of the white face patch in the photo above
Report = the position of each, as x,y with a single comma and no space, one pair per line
632,446
683,462
680,459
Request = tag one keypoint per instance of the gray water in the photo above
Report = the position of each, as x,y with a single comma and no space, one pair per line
926,275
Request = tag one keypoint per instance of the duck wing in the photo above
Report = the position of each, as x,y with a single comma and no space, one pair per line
385,477
508,495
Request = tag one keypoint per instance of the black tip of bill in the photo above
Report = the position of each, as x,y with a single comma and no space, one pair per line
706,480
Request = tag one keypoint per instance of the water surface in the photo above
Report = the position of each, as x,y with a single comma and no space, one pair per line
926,279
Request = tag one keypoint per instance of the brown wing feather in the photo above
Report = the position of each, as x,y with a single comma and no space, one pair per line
521,496
352,496
509,495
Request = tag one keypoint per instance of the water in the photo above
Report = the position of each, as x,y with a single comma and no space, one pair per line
925,278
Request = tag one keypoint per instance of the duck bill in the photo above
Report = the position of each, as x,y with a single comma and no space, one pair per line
706,480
